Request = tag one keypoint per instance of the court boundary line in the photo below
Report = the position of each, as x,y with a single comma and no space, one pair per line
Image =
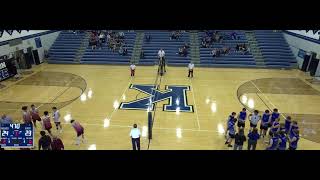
157,128
195,104
68,85
265,98
119,99
19,80
21,120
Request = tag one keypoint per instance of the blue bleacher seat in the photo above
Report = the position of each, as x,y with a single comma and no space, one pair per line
65,47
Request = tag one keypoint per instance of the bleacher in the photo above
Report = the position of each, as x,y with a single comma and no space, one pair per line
107,56
233,59
65,47
161,39
275,49
273,46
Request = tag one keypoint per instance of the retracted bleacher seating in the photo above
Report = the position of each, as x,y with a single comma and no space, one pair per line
161,39
275,49
65,47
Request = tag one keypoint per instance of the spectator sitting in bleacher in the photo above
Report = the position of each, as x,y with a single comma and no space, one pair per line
125,50
237,47
186,45
93,42
207,39
204,44
175,35
183,51
209,33
142,54
217,37
114,47
102,37
148,38
121,35
180,51
108,38
243,48
121,51
234,35
214,52
225,50
246,51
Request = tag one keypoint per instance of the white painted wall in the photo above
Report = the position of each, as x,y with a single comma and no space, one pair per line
46,40
15,34
296,43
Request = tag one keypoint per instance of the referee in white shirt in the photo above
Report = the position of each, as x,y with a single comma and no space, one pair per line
135,137
190,68
161,55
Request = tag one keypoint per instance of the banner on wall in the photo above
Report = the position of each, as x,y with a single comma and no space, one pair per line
314,34
9,32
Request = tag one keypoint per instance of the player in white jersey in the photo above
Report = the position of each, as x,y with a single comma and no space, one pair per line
56,118
254,119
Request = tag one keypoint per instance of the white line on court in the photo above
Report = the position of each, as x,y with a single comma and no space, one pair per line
157,128
62,92
119,99
266,98
195,104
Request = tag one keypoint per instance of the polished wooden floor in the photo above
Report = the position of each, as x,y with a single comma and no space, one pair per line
92,93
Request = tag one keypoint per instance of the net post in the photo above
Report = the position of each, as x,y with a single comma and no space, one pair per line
149,125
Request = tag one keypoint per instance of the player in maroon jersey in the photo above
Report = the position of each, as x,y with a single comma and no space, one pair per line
26,116
57,144
35,115
46,122
79,130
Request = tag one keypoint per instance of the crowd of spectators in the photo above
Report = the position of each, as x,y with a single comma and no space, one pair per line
212,37
113,40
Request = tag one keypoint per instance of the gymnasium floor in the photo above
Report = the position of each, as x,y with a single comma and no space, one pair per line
92,94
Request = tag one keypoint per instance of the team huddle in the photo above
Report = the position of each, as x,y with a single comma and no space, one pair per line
277,135
33,116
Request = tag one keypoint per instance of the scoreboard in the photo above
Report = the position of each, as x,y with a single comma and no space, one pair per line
16,136
4,73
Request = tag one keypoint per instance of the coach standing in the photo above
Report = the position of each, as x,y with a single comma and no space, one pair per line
135,137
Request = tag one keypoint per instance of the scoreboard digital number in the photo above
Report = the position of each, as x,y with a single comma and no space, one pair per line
17,136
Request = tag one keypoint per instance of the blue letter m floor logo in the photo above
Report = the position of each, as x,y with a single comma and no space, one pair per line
176,95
